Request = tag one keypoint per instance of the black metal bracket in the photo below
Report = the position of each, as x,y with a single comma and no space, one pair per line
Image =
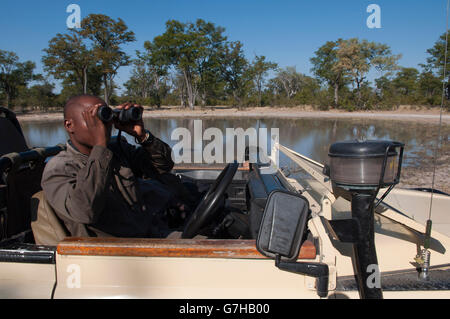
317,270
3,211
383,169
343,230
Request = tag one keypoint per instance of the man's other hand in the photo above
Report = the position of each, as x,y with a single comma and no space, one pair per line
99,132
135,128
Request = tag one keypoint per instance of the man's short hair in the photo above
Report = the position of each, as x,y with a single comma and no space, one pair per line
74,101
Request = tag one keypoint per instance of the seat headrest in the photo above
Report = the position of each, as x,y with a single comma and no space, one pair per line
47,228
14,141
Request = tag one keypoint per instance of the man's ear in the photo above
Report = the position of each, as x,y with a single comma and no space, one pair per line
68,124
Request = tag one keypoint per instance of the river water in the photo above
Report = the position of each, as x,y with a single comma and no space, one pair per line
311,137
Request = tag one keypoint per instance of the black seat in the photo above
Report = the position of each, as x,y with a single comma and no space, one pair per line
20,175
11,133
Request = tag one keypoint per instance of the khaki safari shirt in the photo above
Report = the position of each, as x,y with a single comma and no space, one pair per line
105,194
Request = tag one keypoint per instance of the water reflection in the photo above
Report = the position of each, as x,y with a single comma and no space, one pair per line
39,134
311,137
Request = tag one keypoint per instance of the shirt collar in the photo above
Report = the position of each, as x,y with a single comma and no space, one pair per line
74,150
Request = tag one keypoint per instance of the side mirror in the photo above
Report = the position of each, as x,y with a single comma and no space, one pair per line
282,226
281,234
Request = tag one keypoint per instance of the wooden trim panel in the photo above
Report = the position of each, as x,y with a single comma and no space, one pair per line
155,247
245,167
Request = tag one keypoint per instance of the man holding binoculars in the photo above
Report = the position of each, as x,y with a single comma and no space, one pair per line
100,187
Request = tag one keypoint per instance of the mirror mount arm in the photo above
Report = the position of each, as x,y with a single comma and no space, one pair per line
317,270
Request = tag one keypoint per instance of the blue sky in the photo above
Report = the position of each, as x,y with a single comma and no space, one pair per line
286,32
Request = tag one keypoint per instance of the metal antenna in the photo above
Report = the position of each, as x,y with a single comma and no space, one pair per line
440,114
424,258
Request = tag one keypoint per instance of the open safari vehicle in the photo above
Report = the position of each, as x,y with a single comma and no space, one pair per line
328,234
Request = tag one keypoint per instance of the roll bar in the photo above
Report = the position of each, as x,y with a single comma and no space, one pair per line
12,160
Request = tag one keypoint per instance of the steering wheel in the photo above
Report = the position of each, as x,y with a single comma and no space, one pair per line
208,207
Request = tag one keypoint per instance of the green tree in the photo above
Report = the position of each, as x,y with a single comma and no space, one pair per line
14,74
385,89
430,87
39,96
146,84
178,87
235,72
210,42
259,70
406,81
151,70
178,44
437,56
293,87
309,91
192,49
289,81
107,36
325,67
357,58
68,57
140,82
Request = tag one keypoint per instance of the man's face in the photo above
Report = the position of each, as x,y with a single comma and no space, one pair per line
76,125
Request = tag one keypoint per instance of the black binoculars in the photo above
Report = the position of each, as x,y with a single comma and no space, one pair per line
107,114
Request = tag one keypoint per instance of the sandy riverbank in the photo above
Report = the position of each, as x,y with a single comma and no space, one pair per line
402,114
413,177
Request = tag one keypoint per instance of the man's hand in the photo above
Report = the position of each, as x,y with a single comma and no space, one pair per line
135,128
99,132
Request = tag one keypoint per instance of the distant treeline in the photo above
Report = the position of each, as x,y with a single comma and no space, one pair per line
194,64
